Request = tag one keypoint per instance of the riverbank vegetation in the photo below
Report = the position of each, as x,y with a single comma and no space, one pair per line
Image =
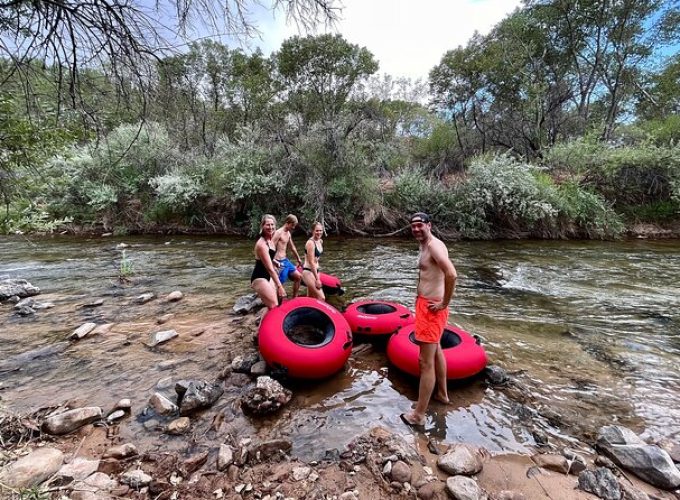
560,122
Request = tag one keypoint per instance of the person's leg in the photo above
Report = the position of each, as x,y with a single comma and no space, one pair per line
312,290
266,291
442,393
426,360
296,277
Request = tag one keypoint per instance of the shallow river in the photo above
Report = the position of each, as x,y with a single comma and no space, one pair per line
591,330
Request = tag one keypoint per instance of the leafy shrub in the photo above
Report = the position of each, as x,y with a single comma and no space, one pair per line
503,193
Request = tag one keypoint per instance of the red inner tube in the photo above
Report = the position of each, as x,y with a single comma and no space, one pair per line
331,284
305,338
464,356
374,317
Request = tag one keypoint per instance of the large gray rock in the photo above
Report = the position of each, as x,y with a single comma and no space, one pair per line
601,482
70,420
136,479
79,469
648,462
199,394
247,303
267,396
464,488
460,459
162,405
32,469
16,287
244,362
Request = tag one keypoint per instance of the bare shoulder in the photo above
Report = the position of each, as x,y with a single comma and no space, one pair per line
438,248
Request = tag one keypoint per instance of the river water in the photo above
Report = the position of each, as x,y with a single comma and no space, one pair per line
589,330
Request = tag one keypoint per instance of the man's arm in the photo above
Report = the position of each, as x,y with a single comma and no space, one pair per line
440,255
291,245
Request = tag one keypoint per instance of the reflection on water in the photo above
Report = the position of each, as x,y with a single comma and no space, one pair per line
591,329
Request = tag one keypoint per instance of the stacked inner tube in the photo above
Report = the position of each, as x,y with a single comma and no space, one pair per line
330,284
464,355
373,317
305,338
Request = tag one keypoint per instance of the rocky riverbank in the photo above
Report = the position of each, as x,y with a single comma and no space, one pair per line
192,449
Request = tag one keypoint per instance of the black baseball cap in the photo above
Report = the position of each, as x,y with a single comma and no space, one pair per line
420,217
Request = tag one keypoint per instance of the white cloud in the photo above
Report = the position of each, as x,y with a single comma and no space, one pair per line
407,37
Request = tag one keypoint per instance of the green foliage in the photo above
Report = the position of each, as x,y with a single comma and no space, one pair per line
663,131
34,493
627,175
125,269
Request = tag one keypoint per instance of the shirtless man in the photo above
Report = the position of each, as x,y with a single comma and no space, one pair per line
436,284
283,240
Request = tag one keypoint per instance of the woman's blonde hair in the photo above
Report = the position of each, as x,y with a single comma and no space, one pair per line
264,219
314,224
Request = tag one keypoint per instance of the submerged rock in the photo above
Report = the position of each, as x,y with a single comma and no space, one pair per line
70,420
199,394
162,405
16,287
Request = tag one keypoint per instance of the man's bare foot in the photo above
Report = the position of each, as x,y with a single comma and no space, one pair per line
412,419
441,399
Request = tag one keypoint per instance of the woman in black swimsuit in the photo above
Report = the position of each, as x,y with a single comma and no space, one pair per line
310,270
265,278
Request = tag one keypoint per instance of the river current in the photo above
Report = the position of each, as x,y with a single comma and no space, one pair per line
590,330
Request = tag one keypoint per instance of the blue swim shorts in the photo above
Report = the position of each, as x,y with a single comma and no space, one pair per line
286,269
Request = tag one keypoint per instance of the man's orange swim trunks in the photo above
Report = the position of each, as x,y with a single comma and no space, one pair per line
429,325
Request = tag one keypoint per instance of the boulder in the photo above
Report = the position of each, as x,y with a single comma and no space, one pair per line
464,488
174,296
79,469
496,375
32,469
460,459
247,303
401,472
648,462
267,396
70,420
24,311
244,363
16,287
601,482
162,405
198,395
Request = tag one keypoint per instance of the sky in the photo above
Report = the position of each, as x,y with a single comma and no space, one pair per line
407,37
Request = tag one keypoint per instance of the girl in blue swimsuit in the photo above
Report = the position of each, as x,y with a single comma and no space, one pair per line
265,278
310,269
